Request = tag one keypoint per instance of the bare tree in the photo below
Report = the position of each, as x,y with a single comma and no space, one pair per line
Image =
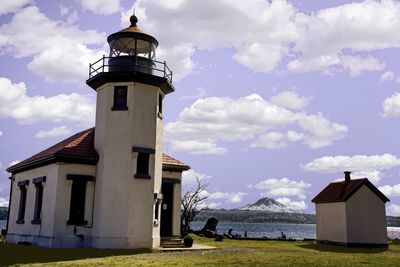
190,205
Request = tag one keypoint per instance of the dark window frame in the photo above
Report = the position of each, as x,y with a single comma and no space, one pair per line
78,198
160,106
38,182
22,201
142,165
120,100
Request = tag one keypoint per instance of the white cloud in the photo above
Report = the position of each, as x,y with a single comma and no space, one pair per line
59,50
230,197
213,205
194,147
189,177
290,100
11,6
102,7
391,106
359,27
1,133
293,205
277,140
282,187
258,31
390,190
25,109
357,64
3,202
393,210
262,33
208,121
14,162
387,76
200,92
361,165
55,132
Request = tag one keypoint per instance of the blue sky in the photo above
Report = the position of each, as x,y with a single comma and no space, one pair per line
273,98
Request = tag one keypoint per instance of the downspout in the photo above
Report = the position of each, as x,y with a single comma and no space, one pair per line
9,201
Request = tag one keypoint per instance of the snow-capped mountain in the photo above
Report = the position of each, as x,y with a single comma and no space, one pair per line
267,204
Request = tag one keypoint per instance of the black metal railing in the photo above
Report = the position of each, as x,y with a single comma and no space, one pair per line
130,64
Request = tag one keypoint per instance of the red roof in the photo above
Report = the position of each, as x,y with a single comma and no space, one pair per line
78,148
171,163
342,191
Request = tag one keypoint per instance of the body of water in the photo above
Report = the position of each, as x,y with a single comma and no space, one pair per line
274,230
270,230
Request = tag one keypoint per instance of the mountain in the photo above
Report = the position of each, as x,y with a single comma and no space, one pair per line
267,204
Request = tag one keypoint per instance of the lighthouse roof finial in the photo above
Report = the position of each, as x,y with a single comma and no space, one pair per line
133,19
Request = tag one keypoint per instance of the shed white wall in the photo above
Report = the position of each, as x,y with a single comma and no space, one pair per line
176,211
331,222
366,218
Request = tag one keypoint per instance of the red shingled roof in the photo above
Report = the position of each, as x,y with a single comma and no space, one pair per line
171,163
342,191
78,148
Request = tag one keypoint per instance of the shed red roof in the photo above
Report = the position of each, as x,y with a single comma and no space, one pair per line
342,191
78,148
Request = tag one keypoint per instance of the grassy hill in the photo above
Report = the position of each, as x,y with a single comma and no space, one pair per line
3,213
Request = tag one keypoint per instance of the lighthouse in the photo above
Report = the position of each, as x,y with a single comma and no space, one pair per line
109,186
130,86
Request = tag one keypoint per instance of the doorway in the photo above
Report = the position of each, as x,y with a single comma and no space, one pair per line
167,190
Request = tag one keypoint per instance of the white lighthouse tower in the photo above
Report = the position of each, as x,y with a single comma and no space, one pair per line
130,86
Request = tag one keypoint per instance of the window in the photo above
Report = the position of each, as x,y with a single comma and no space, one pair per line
78,196
160,104
38,182
142,163
142,168
120,98
22,201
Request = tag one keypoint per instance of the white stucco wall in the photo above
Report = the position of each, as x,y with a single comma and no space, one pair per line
366,218
40,234
176,203
124,205
331,222
53,230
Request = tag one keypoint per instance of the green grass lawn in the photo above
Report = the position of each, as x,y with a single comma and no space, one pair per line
229,252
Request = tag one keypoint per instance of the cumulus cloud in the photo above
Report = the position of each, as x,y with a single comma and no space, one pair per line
328,40
293,205
189,177
282,187
393,210
208,121
101,7
390,190
55,132
328,33
229,197
11,6
362,165
25,109
200,92
3,202
14,162
290,100
358,64
1,133
260,36
391,106
277,140
63,52
387,76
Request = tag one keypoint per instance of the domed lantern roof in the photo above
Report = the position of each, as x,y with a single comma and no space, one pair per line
132,41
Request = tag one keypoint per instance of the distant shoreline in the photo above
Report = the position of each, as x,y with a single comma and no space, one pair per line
255,216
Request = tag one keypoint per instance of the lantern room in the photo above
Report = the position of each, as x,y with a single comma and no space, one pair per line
132,57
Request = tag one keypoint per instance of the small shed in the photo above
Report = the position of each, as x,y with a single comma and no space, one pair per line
351,213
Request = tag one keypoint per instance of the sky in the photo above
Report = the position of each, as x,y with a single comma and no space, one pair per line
273,98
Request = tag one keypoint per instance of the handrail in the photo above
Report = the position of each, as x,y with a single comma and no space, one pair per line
137,64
